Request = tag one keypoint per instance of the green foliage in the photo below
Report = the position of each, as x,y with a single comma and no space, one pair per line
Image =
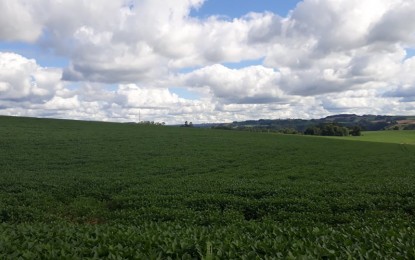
151,123
312,131
102,190
409,127
356,131
250,240
327,130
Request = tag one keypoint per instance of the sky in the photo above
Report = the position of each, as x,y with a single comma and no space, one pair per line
206,61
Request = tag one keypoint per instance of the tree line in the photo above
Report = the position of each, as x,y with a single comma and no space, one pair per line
333,130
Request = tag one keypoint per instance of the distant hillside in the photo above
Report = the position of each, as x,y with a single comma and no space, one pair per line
366,122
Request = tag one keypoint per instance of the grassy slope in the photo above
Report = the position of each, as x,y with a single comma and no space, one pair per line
400,137
396,137
199,187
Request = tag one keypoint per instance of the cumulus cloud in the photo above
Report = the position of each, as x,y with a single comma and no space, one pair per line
23,79
255,85
404,87
364,101
336,25
397,25
29,89
18,22
315,60
333,47
131,102
130,41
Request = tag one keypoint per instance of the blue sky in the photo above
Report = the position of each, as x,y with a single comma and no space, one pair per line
238,8
33,51
100,60
410,53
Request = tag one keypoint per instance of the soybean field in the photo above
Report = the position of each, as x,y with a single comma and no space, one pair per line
94,190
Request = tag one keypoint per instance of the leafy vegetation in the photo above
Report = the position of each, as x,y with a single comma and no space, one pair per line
332,130
87,189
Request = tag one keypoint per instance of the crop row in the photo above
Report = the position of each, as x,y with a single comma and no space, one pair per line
245,240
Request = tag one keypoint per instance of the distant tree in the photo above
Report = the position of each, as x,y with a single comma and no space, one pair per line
312,131
334,130
356,131
345,131
409,127
340,131
187,124
226,127
327,130
151,123
287,131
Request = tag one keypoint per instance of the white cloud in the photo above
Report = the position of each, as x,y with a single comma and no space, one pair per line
29,89
114,41
23,79
18,21
404,87
60,103
316,60
396,25
337,25
254,85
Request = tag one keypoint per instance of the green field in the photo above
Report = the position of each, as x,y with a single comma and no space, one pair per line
73,189
398,137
